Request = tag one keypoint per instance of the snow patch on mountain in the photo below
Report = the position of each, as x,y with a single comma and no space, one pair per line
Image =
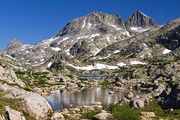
139,29
166,51
116,51
49,64
121,64
98,66
137,62
64,39
55,48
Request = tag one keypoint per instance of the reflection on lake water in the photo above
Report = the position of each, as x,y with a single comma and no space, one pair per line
88,96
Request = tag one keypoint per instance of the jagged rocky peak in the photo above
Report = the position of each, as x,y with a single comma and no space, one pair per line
15,43
139,22
95,21
100,17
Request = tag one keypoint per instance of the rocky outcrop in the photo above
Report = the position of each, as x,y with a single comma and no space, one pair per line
14,115
8,75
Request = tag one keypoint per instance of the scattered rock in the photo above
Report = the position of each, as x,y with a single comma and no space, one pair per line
57,116
147,115
129,95
118,84
124,100
103,116
2,117
139,101
111,92
71,86
13,114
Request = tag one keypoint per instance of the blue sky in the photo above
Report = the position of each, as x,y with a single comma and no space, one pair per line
33,20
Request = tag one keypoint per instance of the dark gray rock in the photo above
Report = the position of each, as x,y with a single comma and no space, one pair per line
170,97
139,19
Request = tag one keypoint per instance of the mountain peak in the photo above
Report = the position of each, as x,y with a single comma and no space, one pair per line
14,43
141,13
91,22
139,19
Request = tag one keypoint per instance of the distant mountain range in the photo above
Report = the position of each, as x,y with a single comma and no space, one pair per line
85,35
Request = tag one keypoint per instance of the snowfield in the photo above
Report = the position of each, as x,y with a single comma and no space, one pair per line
98,66
49,64
137,62
166,51
55,49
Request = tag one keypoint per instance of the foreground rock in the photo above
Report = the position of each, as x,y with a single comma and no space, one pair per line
2,117
139,102
103,116
32,103
13,114
57,116
8,75
36,106
147,115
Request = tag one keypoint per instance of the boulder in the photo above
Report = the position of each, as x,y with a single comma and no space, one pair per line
70,85
36,106
57,116
129,95
170,97
118,84
2,117
124,100
103,116
137,103
148,114
13,114
140,101
9,76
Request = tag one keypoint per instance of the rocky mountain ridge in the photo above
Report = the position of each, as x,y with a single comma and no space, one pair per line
87,35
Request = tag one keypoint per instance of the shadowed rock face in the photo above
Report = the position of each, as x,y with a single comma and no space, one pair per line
170,40
139,19
170,97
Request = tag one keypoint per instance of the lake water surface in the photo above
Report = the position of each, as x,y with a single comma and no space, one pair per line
64,99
